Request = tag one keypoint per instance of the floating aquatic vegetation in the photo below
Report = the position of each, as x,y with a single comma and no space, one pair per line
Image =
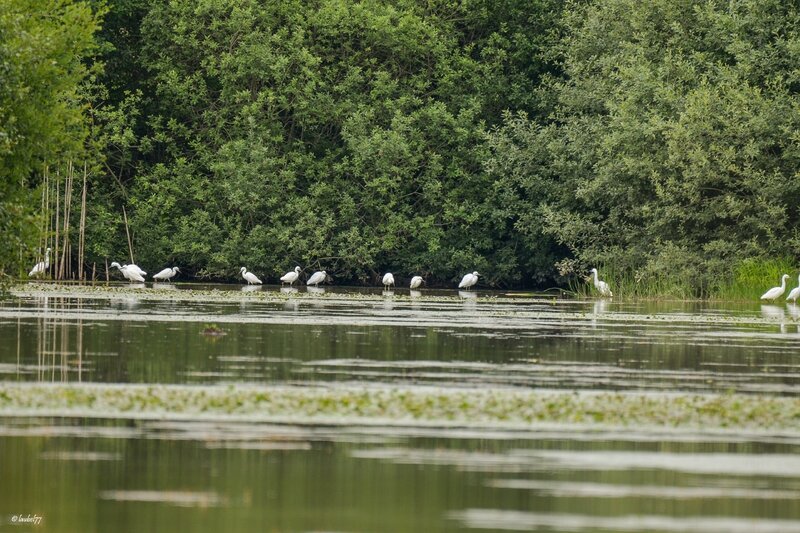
405,406
213,330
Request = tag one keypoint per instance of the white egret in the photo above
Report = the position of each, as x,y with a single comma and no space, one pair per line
776,292
416,281
42,266
135,268
291,277
129,273
601,286
795,294
388,280
249,277
468,280
166,274
132,275
317,278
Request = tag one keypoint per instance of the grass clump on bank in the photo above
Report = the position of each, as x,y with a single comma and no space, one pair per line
752,277
691,279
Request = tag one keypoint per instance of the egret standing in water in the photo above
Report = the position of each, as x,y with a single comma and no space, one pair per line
776,292
130,272
291,277
468,280
795,294
388,280
42,266
416,281
166,274
134,268
317,278
250,277
601,286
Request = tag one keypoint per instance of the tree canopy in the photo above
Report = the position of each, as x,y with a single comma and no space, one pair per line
527,140
671,151
43,77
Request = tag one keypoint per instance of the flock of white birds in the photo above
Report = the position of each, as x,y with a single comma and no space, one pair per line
135,274
321,276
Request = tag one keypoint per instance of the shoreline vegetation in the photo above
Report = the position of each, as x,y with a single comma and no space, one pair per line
528,141
407,406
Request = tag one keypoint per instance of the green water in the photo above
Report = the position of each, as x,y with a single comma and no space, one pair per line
96,474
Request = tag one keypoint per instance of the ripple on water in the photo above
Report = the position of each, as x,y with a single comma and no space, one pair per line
526,521
80,456
170,497
729,464
610,490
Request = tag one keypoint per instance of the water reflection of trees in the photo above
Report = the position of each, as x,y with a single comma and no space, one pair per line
59,342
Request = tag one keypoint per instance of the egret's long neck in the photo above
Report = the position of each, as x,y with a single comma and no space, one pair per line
596,279
783,282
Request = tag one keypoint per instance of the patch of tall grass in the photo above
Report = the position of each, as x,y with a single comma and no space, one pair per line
745,280
752,277
625,283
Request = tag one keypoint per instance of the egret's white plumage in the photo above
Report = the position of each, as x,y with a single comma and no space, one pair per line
42,266
601,286
128,272
388,280
166,274
291,277
134,276
795,294
416,281
249,277
776,292
134,268
317,278
468,280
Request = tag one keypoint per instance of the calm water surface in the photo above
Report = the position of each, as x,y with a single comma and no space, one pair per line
110,475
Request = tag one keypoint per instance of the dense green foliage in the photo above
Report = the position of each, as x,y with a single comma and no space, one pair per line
42,87
528,140
334,134
672,150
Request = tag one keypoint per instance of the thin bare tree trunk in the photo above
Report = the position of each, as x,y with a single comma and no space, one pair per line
43,220
63,270
58,221
127,232
82,238
47,218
